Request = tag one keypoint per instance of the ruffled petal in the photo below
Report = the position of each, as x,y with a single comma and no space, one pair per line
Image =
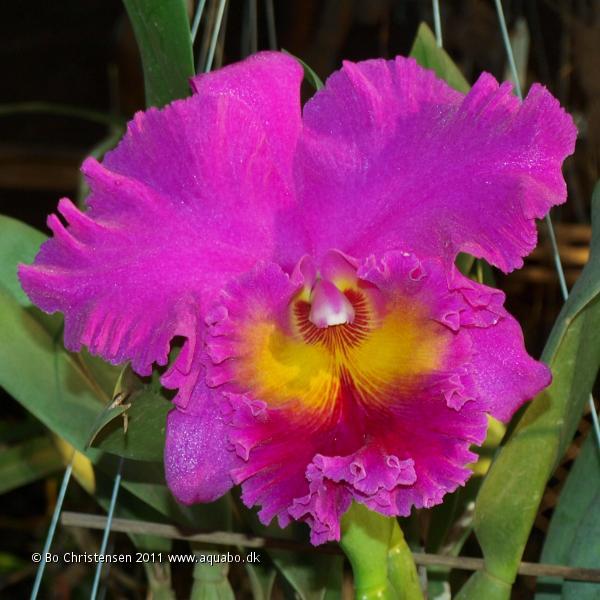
502,375
186,201
199,457
391,157
387,420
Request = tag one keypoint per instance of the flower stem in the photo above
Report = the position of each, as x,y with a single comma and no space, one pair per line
401,566
381,561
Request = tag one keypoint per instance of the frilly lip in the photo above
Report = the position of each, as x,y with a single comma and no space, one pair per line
412,458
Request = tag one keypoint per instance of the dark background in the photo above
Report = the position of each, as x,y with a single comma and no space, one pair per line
82,53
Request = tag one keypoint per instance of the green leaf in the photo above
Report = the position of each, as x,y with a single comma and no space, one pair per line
510,495
569,521
145,436
311,577
43,377
28,462
427,53
19,243
311,77
162,31
585,552
126,384
262,578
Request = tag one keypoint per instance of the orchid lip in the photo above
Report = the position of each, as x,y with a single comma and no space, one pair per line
329,306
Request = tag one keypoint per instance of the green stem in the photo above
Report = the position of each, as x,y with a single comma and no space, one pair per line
366,539
210,577
402,571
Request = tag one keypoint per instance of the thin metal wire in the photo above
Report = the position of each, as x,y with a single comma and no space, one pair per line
437,23
107,528
271,24
220,51
197,19
104,588
508,48
52,529
215,36
564,290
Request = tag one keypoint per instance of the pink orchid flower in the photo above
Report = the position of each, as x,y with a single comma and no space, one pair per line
332,350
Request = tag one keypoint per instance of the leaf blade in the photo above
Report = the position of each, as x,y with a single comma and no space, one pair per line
429,55
162,31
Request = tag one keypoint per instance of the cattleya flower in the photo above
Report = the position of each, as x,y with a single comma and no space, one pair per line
332,351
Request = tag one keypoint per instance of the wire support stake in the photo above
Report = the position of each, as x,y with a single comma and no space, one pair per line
52,529
197,19
107,529
215,36
437,23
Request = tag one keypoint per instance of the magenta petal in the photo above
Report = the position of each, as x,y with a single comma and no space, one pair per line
188,199
268,83
198,455
391,157
504,375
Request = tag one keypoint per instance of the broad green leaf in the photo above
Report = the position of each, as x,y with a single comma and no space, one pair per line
311,77
145,436
162,31
27,462
107,415
126,384
585,552
98,370
561,545
426,52
19,243
509,497
12,432
44,378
